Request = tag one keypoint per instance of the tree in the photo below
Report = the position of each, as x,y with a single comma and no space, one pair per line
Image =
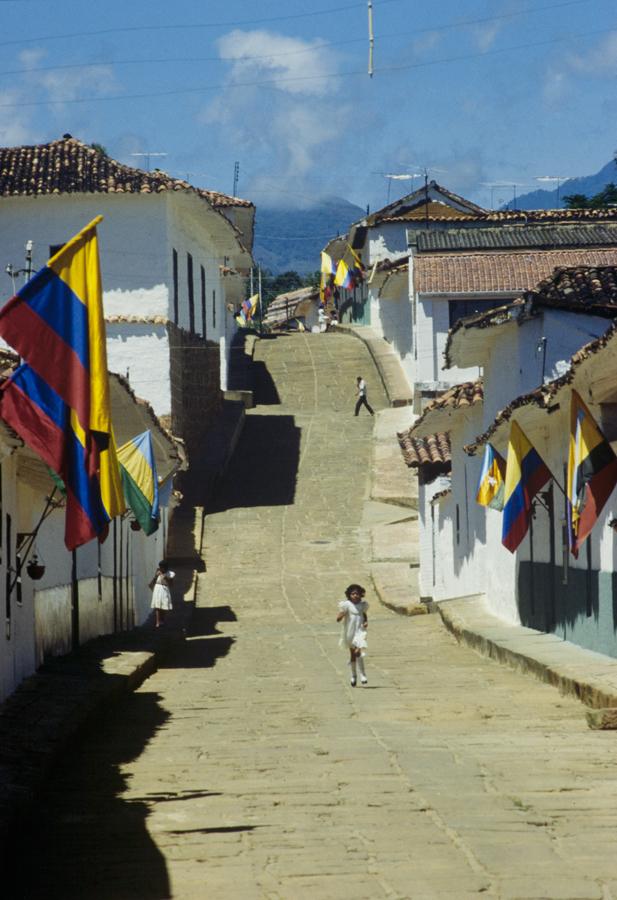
606,197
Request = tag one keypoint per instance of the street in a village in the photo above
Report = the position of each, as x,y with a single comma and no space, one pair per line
248,767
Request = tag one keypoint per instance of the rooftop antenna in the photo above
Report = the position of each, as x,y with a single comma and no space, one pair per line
147,156
505,184
552,178
236,176
399,176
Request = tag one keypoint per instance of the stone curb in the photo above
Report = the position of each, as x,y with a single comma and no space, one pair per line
589,676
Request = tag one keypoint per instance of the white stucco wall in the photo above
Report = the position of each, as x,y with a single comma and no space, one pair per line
433,323
141,353
387,241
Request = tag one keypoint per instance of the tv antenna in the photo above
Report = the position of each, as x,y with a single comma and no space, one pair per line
236,176
552,179
147,156
505,184
398,176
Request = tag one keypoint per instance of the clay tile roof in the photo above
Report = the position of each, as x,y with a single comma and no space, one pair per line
513,272
68,166
441,495
434,449
500,236
137,320
579,287
437,413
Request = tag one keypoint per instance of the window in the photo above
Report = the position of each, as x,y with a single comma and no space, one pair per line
203,301
189,280
458,309
8,576
175,280
214,309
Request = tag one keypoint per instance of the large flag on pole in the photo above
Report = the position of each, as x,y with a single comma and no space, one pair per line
526,474
139,480
56,324
592,473
491,483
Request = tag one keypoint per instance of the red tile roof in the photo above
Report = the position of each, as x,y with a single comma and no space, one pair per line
434,449
513,272
436,415
68,166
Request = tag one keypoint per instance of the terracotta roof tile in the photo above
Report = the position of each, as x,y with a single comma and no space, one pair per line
69,166
492,272
511,236
434,449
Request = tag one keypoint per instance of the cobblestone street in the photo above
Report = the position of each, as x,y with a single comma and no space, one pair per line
247,767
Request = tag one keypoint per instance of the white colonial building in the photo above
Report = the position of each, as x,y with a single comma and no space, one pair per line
174,262
531,357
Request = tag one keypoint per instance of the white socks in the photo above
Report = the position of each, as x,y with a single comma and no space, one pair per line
353,671
363,677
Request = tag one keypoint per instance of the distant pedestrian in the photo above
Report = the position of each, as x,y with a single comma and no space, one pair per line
352,613
161,593
361,395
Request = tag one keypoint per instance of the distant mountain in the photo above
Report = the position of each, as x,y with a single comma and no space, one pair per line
586,184
291,239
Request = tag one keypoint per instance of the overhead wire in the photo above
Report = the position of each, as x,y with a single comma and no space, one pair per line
310,48
174,92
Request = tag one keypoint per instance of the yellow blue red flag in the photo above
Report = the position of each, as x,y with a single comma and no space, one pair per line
526,474
59,401
592,473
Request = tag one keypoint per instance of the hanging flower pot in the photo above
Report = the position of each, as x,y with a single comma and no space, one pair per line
135,526
35,569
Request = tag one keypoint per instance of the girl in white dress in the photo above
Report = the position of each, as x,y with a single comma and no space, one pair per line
161,595
352,613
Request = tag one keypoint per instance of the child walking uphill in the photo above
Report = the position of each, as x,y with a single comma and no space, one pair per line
352,613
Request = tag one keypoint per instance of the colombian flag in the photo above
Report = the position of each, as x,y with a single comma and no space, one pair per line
56,324
592,473
491,483
139,480
526,473
343,277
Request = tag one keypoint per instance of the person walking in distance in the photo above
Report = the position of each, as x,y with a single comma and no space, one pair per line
352,613
361,395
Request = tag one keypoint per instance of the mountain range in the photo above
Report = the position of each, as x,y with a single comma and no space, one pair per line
585,184
291,239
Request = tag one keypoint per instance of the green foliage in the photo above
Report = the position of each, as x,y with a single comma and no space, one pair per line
606,197
272,285
100,149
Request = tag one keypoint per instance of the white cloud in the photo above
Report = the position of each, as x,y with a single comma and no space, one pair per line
293,65
599,61
286,123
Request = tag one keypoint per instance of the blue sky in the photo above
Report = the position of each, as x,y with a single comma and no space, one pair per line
477,91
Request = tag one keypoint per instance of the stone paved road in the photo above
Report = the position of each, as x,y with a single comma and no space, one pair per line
249,768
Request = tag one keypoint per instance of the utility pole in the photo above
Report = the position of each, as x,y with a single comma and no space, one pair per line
371,38
261,314
236,176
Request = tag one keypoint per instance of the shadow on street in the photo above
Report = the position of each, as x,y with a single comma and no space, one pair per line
264,467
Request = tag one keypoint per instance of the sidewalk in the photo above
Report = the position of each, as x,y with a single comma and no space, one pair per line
41,718
589,676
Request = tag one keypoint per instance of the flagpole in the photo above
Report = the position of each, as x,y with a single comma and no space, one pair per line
261,315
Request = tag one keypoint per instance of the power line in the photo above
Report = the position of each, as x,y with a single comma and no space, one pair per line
191,27
304,78
462,23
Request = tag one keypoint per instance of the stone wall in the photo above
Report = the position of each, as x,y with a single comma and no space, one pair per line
195,387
